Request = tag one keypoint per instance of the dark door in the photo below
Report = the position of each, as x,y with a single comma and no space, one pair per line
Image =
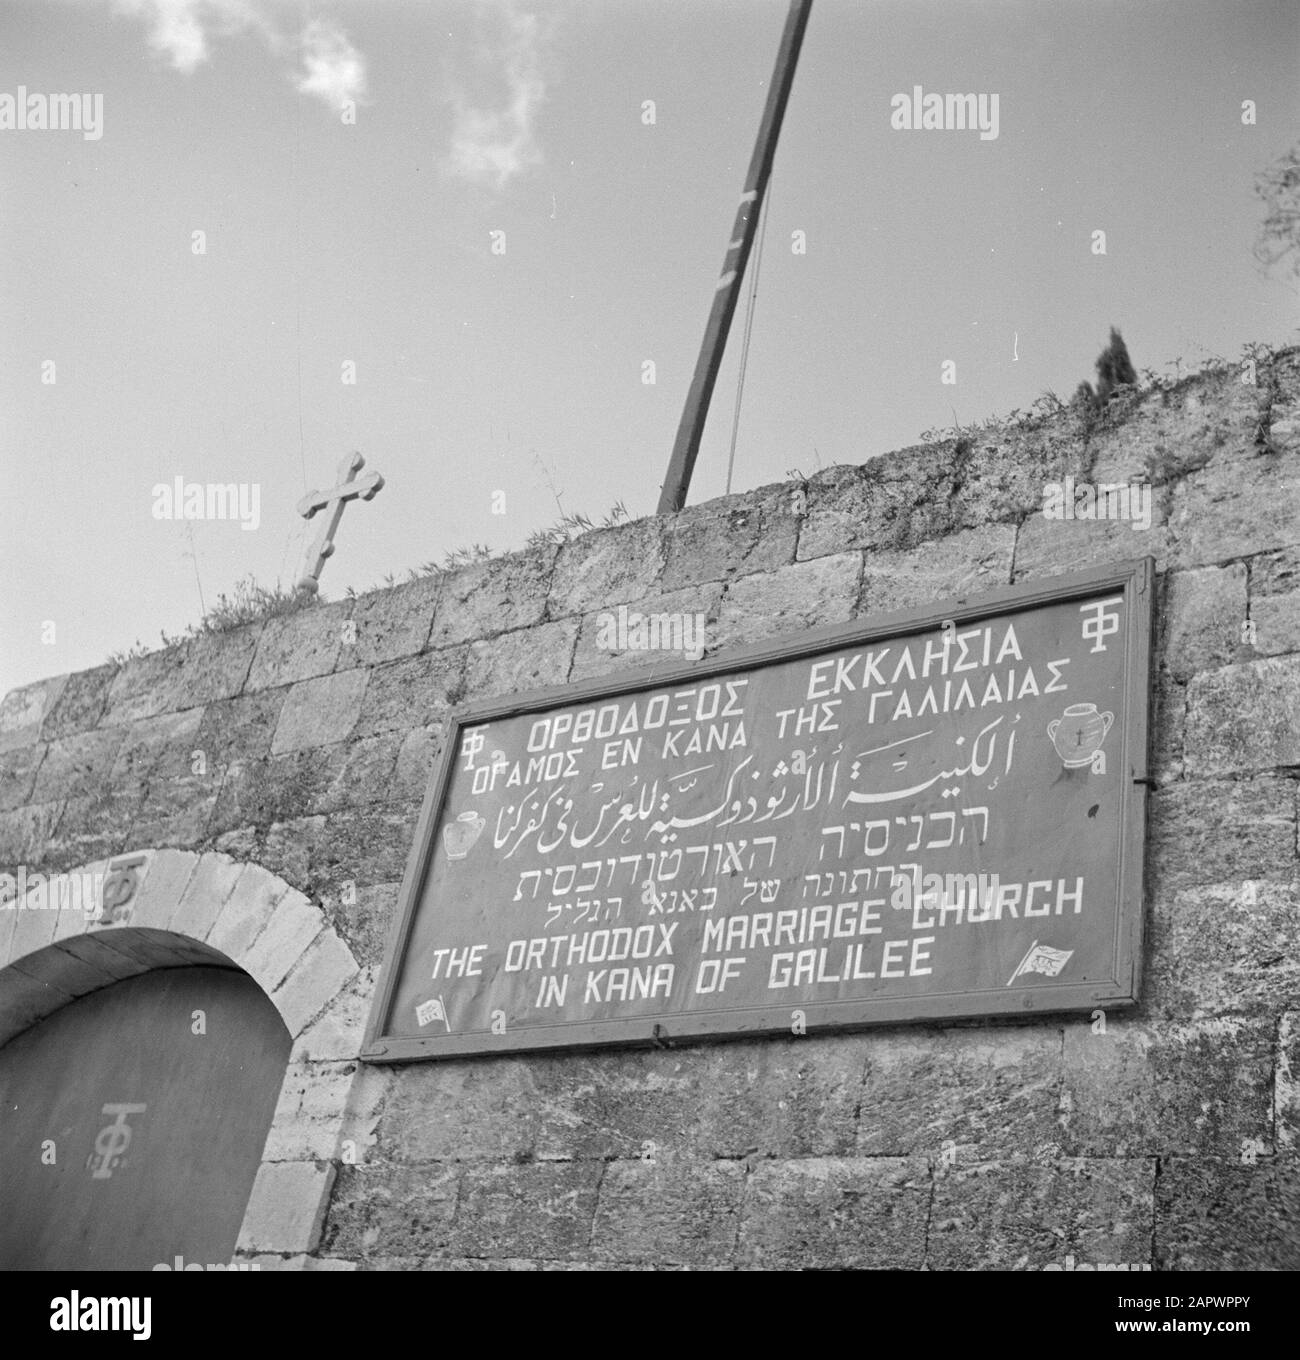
132,1123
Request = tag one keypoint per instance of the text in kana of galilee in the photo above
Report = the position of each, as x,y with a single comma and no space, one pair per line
933,815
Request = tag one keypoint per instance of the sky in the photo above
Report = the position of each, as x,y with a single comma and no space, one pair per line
470,210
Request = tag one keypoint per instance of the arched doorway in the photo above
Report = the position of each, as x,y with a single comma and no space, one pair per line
134,1120
174,910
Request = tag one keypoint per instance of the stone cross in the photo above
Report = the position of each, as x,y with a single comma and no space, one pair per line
348,489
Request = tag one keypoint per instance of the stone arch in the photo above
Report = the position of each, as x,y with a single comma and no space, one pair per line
175,908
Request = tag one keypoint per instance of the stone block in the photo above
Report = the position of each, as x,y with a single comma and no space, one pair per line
319,779
669,630
1025,1216
364,925
1244,718
299,646
162,881
969,562
1200,620
467,1110
236,731
246,913
1199,1089
216,666
292,849
26,831
733,536
777,1097
898,501
185,824
337,1033
319,712
77,766
294,923
1055,547
23,711
598,1106
308,1118
358,846
287,1207
417,758
1002,474
542,1209
360,773
146,686
177,787
322,970
153,749
789,600
1168,728
1275,602
276,788
403,695
1226,1215
82,901
1205,831
836,1213
390,624
211,884
18,768
1227,947
967,1094
529,659
1162,435
768,1098
1236,506
379,1211
608,567
497,596
33,929
669,1210
1286,1083
90,828
9,913
80,705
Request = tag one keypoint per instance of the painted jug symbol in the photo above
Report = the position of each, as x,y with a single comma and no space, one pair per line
1079,733
460,835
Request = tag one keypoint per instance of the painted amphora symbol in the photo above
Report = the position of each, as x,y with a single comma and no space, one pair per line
459,836
1079,733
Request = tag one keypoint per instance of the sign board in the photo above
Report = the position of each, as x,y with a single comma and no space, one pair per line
935,814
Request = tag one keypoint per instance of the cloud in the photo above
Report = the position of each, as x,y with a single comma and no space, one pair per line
320,61
493,141
334,70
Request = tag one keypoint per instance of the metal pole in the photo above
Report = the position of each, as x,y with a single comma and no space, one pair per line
672,496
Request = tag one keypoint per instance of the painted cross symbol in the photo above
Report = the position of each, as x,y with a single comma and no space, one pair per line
348,489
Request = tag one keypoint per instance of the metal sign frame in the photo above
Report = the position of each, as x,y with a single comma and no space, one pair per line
1134,579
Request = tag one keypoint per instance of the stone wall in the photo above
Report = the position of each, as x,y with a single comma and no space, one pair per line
302,745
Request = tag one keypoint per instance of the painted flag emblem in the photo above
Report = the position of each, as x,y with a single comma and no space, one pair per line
1041,959
429,1011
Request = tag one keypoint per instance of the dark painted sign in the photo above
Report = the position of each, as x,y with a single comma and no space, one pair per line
937,814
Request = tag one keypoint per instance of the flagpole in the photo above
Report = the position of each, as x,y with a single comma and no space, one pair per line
686,447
